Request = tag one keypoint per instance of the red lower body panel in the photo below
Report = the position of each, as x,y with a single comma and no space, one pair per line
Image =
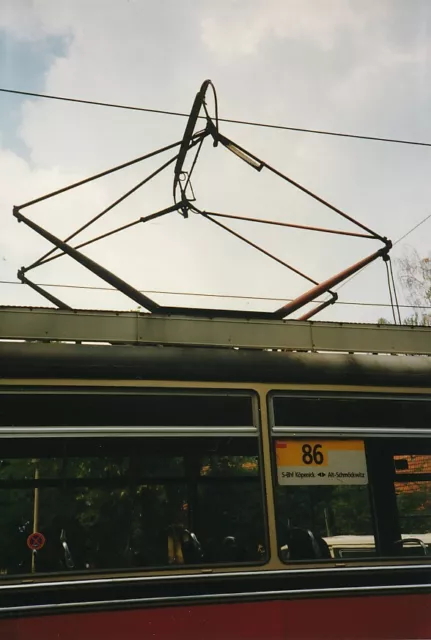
372,617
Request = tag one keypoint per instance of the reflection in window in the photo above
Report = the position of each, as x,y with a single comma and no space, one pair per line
130,503
238,466
321,522
362,411
414,506
413,497
412,464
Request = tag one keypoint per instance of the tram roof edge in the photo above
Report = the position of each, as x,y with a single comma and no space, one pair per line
135,328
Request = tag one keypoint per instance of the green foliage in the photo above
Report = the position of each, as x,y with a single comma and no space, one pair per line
113,521
326,510
414,507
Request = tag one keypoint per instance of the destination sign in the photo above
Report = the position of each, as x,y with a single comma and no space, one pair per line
321,462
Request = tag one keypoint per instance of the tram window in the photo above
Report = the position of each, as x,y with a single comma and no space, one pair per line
333,495
374,499
128,408
322,498
130,503
361,411
413,498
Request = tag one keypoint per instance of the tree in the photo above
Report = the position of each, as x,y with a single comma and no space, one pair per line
414,274
116,510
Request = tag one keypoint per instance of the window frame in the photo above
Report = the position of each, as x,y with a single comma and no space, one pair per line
81,432
371,436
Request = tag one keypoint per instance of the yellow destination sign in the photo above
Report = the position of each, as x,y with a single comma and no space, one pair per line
321,462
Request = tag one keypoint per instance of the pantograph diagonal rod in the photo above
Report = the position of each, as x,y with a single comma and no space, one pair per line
87,262
96,176
323,305
56,301
325,286
151,216
291,225
45,258
227,142
255,246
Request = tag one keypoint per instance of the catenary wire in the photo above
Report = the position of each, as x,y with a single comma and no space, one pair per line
217,295
112,105
427,217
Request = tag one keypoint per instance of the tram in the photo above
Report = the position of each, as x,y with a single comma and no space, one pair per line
213,478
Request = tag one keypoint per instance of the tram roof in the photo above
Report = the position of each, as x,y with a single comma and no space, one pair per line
108,344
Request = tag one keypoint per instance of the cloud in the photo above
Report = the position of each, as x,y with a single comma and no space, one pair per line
34,19
238,28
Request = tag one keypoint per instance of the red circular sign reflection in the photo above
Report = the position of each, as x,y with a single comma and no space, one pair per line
35,541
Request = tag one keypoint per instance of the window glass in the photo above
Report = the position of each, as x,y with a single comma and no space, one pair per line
238,466
129,408
414,506
413,496
320,515
128,503
339,519
327,410
407,464
351,498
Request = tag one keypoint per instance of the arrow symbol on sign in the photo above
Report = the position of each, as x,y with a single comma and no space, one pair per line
321,475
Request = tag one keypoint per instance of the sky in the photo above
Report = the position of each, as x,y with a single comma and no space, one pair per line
342,65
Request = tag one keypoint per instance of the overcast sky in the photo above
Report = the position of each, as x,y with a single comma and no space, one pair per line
356,66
